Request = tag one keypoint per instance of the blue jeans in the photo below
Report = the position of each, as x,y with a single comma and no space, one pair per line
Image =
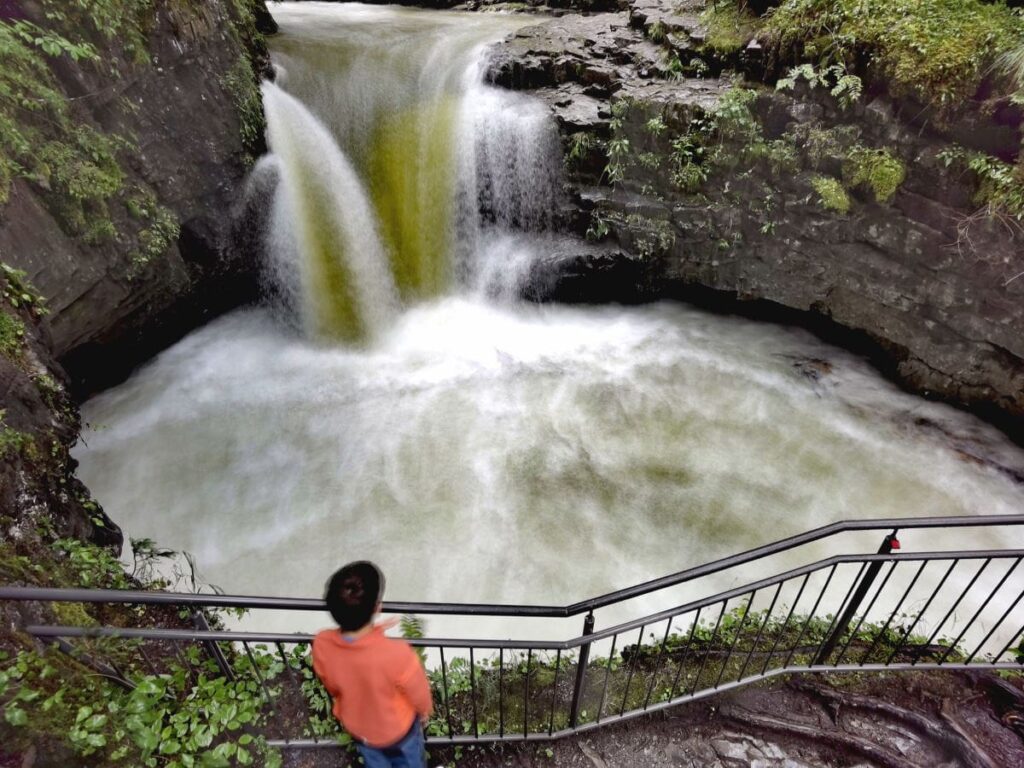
408,752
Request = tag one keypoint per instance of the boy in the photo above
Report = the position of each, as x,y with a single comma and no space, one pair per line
380,691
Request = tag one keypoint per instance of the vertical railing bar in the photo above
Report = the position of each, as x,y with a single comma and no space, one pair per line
657,664
256,671
955,605
785,624
445,695
472,691
867,611
994,628
736,638
554,691
607,674
979,611
847,601
892,614
145,658
907,632
810,617
686,652
183,658
526,693
760,631
632,667
284,660
583,660
501,692
1008,645
707,652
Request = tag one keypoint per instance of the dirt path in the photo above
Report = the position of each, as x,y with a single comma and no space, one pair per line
893,720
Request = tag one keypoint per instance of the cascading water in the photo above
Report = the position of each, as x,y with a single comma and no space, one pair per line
442,156
482,450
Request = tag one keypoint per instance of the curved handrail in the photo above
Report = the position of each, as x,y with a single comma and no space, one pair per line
151,597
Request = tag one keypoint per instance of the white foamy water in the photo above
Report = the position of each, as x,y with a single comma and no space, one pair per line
515,453
478,448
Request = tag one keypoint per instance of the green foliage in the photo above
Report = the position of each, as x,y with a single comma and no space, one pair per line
13,442
92,566
650,237
688,170
42,140
876,169
172,720
243,85
1011,64
19,292
831,194
846,88
12,335
730,25
936,50
600,227
1000,186
154,240
657,32
413,628
581,144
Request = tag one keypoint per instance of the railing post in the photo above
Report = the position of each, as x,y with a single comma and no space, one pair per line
200,622
581,672
889,543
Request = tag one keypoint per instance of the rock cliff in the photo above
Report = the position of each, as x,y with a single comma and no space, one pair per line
859,218
127,129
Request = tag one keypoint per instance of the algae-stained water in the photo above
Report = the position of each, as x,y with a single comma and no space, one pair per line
483,449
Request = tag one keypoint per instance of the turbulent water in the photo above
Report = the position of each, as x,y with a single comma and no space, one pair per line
482,449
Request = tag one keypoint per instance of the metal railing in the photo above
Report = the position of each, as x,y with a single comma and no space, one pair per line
887,610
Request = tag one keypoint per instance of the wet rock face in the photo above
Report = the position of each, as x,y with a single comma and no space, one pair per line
933,287
115,303
39,493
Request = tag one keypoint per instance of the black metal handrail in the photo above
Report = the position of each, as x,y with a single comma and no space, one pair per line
866,608
255,602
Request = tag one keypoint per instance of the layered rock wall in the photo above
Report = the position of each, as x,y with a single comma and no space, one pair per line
708,182
190,120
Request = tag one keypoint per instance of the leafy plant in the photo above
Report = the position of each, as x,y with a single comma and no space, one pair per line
845,87
876,169
831,194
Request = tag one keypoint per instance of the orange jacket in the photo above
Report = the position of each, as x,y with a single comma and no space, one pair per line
377,683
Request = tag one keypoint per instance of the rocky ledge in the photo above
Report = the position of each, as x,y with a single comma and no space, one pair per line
930,284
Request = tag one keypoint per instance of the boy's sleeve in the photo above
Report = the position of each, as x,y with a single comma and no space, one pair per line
412,681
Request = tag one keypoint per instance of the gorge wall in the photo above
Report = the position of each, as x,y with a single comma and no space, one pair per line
857,217
128,128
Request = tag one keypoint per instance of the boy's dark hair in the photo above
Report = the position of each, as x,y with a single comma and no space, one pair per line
353,593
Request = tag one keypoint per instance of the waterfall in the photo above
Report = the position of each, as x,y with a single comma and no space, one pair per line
348,291
399,166
484,450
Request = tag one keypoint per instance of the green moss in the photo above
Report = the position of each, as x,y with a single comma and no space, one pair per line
12,335
730,27
242,84
876,169
71,615
831,194
155,239
936,50
14,442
